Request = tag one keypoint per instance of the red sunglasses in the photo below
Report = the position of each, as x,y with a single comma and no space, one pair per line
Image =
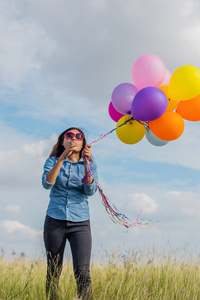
69,136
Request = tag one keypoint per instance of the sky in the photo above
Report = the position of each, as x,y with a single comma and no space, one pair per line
60,61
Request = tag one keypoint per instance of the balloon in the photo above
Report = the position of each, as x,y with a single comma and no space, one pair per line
171,103
149,104
190,109
166,78
114,114
154,140
168,127
185,83
148,70
122,97
130,133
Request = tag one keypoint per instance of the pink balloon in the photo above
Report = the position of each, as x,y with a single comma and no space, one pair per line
122,97
166,77
114,114
148,70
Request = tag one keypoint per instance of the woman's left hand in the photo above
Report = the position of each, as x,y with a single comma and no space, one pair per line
87,152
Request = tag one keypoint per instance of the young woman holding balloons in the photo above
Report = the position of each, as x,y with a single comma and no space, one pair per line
67,216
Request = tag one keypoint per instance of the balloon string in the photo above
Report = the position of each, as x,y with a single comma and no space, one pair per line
113,212
104,135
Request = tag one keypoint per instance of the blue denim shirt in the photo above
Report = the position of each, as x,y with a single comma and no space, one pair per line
68,195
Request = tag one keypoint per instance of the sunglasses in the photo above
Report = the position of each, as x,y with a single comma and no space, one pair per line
69,136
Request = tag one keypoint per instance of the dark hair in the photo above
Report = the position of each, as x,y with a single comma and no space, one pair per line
58,148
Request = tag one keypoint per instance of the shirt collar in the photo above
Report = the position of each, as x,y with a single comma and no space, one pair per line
68,160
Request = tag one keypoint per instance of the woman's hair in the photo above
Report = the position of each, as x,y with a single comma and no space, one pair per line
58,148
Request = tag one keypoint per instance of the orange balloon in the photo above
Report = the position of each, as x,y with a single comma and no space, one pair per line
190,109
168,127
171,103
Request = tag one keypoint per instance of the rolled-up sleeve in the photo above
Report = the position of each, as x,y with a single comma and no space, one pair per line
50,162
90,189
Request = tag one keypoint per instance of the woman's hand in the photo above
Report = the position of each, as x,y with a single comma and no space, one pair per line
86,152
53,173
67,152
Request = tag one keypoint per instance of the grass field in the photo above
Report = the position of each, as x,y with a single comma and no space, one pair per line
137,275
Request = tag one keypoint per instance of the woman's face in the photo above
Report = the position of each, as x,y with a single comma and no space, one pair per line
73,142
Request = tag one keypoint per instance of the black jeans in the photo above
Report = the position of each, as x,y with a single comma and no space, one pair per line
56,232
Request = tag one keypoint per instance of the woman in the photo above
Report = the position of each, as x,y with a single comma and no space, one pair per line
67,216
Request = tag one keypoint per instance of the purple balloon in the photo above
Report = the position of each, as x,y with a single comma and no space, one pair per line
149,104
122,97
114,114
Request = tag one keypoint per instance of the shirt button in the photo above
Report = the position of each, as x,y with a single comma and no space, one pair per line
68,197
67,206
68,188
70,180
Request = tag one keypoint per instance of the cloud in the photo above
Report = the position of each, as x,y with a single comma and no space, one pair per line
15,228
188,203
22,166
12,208
21,40
142,202
39,148
111,37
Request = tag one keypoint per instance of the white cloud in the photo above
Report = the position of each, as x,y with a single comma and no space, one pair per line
106,33
21,39
14,228
12,208
142,202
39,148
188,203
23,166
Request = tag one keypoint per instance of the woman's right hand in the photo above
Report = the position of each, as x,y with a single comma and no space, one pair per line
53,173
66,153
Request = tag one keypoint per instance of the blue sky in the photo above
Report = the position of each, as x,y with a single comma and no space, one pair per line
60,61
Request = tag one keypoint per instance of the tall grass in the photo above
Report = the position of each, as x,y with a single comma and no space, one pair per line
135,275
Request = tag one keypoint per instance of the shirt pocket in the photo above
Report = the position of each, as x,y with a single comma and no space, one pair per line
62,178
79,172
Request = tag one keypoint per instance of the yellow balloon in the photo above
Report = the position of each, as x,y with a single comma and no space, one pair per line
184,83
130,133
172,104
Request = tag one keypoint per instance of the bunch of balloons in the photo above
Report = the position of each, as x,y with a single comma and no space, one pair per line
158,101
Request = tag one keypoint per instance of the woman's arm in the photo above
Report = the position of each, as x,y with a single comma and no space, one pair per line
52,175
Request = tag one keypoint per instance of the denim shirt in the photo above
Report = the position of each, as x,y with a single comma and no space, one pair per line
68,195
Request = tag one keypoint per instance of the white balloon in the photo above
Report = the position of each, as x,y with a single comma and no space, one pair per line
154,140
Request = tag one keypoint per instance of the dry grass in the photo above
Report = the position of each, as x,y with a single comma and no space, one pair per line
136,275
